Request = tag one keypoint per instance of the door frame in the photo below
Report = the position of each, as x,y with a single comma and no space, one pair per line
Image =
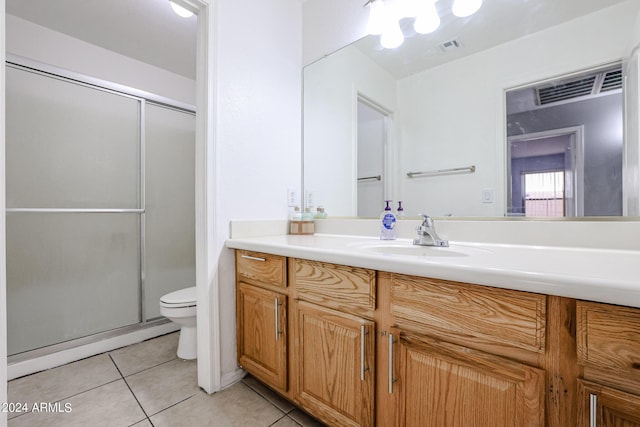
387,169
576,207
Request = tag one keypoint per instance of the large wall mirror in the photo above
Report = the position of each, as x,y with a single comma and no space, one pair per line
524,109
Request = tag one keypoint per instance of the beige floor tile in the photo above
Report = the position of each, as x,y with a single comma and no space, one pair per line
285,422
64,381
237,406
144,423
147,354
165,385
304,419
110,405
273,397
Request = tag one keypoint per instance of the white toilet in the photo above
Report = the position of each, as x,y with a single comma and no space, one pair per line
180,307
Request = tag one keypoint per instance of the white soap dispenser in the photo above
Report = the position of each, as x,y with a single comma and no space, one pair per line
387,223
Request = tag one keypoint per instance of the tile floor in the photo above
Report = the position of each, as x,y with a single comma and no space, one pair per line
144,385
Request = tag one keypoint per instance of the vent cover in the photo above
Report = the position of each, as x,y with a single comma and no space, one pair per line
612,80
580,86
450,45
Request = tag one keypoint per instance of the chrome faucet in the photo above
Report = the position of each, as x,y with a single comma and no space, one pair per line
427,235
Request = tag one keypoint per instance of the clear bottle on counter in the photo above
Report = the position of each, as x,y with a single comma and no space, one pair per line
400,214
320,213
387,223
301,223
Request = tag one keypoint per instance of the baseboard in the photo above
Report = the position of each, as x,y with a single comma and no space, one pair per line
230,378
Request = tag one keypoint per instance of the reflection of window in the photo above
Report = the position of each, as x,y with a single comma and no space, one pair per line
544,193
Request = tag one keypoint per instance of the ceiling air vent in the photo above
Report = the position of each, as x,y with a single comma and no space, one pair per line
450,45
566,90
580,86
612,80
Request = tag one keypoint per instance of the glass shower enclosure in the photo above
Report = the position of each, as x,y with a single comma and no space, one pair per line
100,206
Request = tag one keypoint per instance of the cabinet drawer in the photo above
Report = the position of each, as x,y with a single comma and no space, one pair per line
262,268
608,336
470,313
335,286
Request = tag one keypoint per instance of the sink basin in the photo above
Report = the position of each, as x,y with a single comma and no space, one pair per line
407,248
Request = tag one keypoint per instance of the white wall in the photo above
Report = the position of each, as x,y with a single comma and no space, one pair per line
328,25
631,177
259,84
450,118
331,88
3,267
51,47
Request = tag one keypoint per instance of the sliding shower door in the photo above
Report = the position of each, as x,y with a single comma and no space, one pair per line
170,236
100,208
73,210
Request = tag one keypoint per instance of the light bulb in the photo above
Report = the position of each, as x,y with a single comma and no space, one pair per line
427,20
180,11
376,17
392,36
409,8
462,8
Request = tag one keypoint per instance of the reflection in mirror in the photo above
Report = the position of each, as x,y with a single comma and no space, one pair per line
565,146
372,128
447,111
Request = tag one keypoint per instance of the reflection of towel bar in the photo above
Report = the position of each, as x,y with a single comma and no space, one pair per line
468,169
367,178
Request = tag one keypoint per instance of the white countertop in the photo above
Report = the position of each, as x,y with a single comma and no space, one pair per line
602,275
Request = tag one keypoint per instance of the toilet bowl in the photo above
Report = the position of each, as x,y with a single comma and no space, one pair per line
180,307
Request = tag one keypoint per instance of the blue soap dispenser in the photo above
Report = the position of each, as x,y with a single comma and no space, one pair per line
388,223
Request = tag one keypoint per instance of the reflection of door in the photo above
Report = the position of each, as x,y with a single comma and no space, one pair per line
545,173
372,139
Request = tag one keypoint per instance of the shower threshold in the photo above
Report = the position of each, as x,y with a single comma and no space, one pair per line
40,359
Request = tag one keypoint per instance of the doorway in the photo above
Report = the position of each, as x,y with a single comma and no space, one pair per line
545,170
372,142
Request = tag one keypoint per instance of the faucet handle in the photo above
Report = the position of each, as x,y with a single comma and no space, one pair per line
427,221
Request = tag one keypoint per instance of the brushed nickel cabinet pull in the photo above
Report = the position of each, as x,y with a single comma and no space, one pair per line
277,321
391,379
363,368
593,410
255,258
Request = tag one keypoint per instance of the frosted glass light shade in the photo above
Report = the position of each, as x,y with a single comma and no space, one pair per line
180,11
427,20
376,17
409,8
462,8
392,36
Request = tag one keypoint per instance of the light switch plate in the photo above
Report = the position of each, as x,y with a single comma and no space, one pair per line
487,195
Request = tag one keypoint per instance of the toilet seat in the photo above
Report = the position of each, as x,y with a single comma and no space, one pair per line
179,299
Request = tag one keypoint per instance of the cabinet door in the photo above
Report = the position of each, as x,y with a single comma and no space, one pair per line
600,406
445,385
335,365
261,322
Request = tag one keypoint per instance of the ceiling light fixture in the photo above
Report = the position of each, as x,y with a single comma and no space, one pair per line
180,11
385,16
427,20
408,8
376,17
392,36
464,8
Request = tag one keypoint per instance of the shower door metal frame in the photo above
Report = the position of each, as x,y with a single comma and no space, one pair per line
142,97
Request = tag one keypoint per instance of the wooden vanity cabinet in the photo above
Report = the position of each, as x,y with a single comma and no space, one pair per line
334,357
443,384
261,317
608,338
356,347
455,346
